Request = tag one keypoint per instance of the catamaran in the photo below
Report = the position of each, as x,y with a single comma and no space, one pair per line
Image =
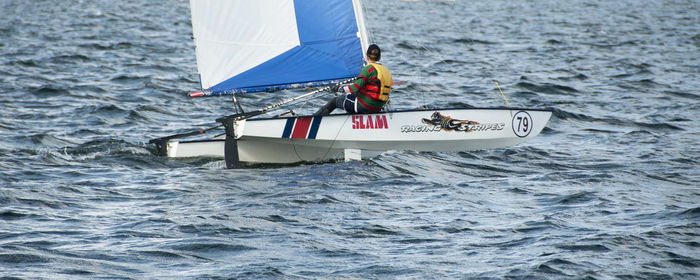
272,45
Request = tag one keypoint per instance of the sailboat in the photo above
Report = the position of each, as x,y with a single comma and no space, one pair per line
245,47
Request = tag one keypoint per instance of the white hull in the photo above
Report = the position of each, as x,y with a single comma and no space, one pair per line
296,139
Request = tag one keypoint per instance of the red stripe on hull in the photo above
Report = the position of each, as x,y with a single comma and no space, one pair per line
301,128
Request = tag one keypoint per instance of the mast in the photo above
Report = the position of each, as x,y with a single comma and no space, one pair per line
361,27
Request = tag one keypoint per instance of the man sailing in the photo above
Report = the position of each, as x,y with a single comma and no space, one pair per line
368,93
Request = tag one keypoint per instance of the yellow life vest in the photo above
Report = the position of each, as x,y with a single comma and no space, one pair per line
385,81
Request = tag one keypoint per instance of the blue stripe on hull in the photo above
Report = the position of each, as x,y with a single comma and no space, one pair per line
288,127
314,128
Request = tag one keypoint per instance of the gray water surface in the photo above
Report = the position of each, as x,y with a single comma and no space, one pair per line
609,190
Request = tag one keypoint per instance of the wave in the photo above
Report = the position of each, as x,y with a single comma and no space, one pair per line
106,46
618,122
408,46
585,247
10,215
211,247
74,59
23,258
49,91
470,41
610,45
578,76
548,88
688,95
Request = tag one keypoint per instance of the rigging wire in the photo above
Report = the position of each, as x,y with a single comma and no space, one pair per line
336,136
504,98
330,147
431,54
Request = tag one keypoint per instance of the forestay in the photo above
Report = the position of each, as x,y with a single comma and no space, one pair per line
254,45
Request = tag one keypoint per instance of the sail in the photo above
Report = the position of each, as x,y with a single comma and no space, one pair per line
254,45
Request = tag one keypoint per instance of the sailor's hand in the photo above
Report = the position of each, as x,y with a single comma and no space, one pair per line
334,88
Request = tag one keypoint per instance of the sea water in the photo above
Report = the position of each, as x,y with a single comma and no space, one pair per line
609,190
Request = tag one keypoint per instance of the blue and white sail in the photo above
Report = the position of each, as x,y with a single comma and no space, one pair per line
266,45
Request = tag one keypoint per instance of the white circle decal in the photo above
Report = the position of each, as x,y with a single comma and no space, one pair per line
522,124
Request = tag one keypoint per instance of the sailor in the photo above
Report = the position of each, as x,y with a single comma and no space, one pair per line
368,93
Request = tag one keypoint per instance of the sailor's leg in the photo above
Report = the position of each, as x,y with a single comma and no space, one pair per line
327,109
349,103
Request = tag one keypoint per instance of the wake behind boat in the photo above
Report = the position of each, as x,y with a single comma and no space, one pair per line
296,44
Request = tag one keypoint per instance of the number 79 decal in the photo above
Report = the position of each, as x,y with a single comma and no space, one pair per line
522,124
